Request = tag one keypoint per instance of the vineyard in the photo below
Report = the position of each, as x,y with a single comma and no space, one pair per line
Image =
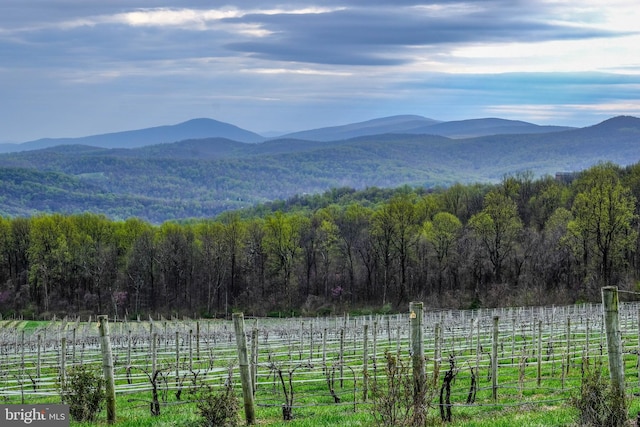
300,366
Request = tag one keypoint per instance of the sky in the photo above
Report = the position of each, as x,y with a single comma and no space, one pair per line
73,68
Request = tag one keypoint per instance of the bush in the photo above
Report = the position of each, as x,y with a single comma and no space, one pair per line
393,396
218,408
598,404
83,391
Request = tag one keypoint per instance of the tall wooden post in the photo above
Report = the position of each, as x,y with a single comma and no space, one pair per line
437,352
63,360
254,356
568,344
177,359
73,348
494,359
245,374
341,357
190,349
638,346
614,342
22,351
324,348
198,341
539,372
154,354
107,368
311,341
375,347
417,360
38,370
365,363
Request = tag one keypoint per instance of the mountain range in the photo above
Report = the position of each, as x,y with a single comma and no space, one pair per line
209,128
126,174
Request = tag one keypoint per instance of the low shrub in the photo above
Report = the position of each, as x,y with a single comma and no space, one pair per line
218,408
83,391
598,404
394,402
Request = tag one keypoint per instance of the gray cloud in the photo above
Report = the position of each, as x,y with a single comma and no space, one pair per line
77,65
376,36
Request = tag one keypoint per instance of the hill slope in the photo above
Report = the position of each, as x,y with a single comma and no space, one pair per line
419,125
200,178
393,124
196,128
209,128
484,127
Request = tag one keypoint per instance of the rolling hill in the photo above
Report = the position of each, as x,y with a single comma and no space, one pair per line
209,128
418,125
393,124
196,128
204,177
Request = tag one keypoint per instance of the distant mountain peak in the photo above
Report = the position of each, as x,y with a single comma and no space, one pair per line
393,124
191,129
620,120
616,124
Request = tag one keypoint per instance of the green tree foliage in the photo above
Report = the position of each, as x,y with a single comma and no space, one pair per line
497,227
604,212
521,241
281,241
442,233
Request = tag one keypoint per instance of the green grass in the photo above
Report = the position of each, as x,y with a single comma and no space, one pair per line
326,416
530,405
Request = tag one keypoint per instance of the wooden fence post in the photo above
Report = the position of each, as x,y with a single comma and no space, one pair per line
190,349
539,371
437,352
177,359
73,349
107,367
154,355
417,359
63,360
365,363
38,370
494,359
254,356
614,342
245,375
324,348
341,358
22,350
638,362
198,341
375,348
568,344
311,341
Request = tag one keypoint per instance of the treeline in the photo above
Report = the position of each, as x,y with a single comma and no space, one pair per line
522,241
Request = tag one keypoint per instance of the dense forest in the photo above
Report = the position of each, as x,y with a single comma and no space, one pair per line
522,241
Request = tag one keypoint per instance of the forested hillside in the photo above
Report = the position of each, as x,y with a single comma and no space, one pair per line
521,241
204,177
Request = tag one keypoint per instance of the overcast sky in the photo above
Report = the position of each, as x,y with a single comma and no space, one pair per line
81,67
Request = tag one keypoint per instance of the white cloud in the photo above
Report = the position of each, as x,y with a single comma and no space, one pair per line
302,71
551,56
557,113
200,19
173,17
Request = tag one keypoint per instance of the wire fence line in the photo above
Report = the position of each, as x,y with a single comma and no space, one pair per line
541,352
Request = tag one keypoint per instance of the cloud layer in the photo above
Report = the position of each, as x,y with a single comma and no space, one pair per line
78,67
